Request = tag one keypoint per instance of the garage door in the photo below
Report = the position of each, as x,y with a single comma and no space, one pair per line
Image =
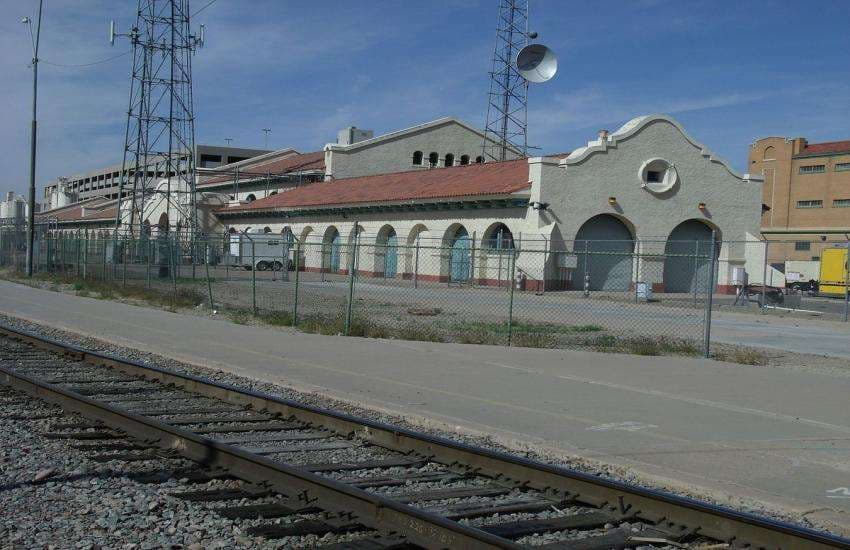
687,264
604,247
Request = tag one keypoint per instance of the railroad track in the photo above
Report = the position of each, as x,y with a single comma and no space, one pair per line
396,487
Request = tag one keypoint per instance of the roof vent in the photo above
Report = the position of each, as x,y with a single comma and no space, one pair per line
352,134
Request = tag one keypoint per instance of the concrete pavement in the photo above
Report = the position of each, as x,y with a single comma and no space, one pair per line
777,435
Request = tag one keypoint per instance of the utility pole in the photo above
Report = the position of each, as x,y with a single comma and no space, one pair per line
228,140
31,214
266,131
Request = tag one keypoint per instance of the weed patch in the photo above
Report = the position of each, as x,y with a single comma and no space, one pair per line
742,356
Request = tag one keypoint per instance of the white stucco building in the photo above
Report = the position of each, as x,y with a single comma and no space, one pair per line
577,220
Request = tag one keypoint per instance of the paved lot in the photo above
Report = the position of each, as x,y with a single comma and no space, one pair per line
778,435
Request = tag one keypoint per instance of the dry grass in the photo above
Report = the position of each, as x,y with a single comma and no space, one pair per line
743,356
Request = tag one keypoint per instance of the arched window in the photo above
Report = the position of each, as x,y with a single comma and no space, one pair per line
250,198
479,159
769,153
450,159
433,158
464,160
417,158
499,237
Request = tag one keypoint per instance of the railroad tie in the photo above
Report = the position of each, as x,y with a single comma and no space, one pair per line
368,465
267,511
516,529
614,539
300,529
218,495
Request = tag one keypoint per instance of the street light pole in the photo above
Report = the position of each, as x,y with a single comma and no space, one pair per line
31,213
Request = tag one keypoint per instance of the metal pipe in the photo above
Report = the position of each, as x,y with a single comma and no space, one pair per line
764,279
416,265
709,300
352,269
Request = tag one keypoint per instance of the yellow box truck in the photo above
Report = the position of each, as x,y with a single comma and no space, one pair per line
833,272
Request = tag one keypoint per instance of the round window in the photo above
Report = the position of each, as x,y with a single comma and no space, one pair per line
658,175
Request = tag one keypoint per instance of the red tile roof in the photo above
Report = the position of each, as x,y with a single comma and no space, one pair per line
83,211
496,178
826,148
294,163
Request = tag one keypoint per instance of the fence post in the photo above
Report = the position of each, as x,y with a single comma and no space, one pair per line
253,279
103,259
847,282
709,300
586,282
171,259
352,267
209,282
295,298
696,269
512,283
416,265
124,260
149,253
85,253
764,280
472,262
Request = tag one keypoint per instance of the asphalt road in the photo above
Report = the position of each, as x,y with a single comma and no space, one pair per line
780,436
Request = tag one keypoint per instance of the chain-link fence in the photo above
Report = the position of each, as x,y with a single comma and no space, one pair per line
807,277
645,296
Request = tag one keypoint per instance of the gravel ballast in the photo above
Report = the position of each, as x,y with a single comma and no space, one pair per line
518,448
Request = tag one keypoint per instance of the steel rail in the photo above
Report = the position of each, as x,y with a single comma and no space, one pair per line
308,489
709,520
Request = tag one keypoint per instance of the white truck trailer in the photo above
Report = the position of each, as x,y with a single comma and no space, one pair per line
260,251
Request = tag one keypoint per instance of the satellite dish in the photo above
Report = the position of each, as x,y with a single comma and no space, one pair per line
536,63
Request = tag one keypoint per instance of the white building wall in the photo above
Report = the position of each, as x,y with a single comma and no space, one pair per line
394,152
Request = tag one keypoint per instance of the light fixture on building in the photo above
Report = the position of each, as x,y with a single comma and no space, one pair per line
538,205
612,200
701,206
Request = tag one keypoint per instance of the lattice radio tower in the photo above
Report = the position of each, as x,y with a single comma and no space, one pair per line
159,142
507,123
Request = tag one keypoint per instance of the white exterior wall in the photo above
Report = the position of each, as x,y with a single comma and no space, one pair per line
434,230
394,152
575,189
589,176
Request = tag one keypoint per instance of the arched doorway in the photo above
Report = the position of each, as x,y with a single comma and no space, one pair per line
387,253
332,252
604,247
687,257
460,259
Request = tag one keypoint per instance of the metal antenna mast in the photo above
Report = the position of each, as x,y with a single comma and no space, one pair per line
507,124
158,166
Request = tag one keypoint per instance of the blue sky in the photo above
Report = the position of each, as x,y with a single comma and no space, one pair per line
730,71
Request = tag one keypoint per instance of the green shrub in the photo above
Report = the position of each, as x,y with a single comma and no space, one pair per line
276,318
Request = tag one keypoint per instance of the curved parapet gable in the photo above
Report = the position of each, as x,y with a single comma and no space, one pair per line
633,127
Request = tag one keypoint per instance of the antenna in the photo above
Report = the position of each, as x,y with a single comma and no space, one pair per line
516,63
113,30
158,168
